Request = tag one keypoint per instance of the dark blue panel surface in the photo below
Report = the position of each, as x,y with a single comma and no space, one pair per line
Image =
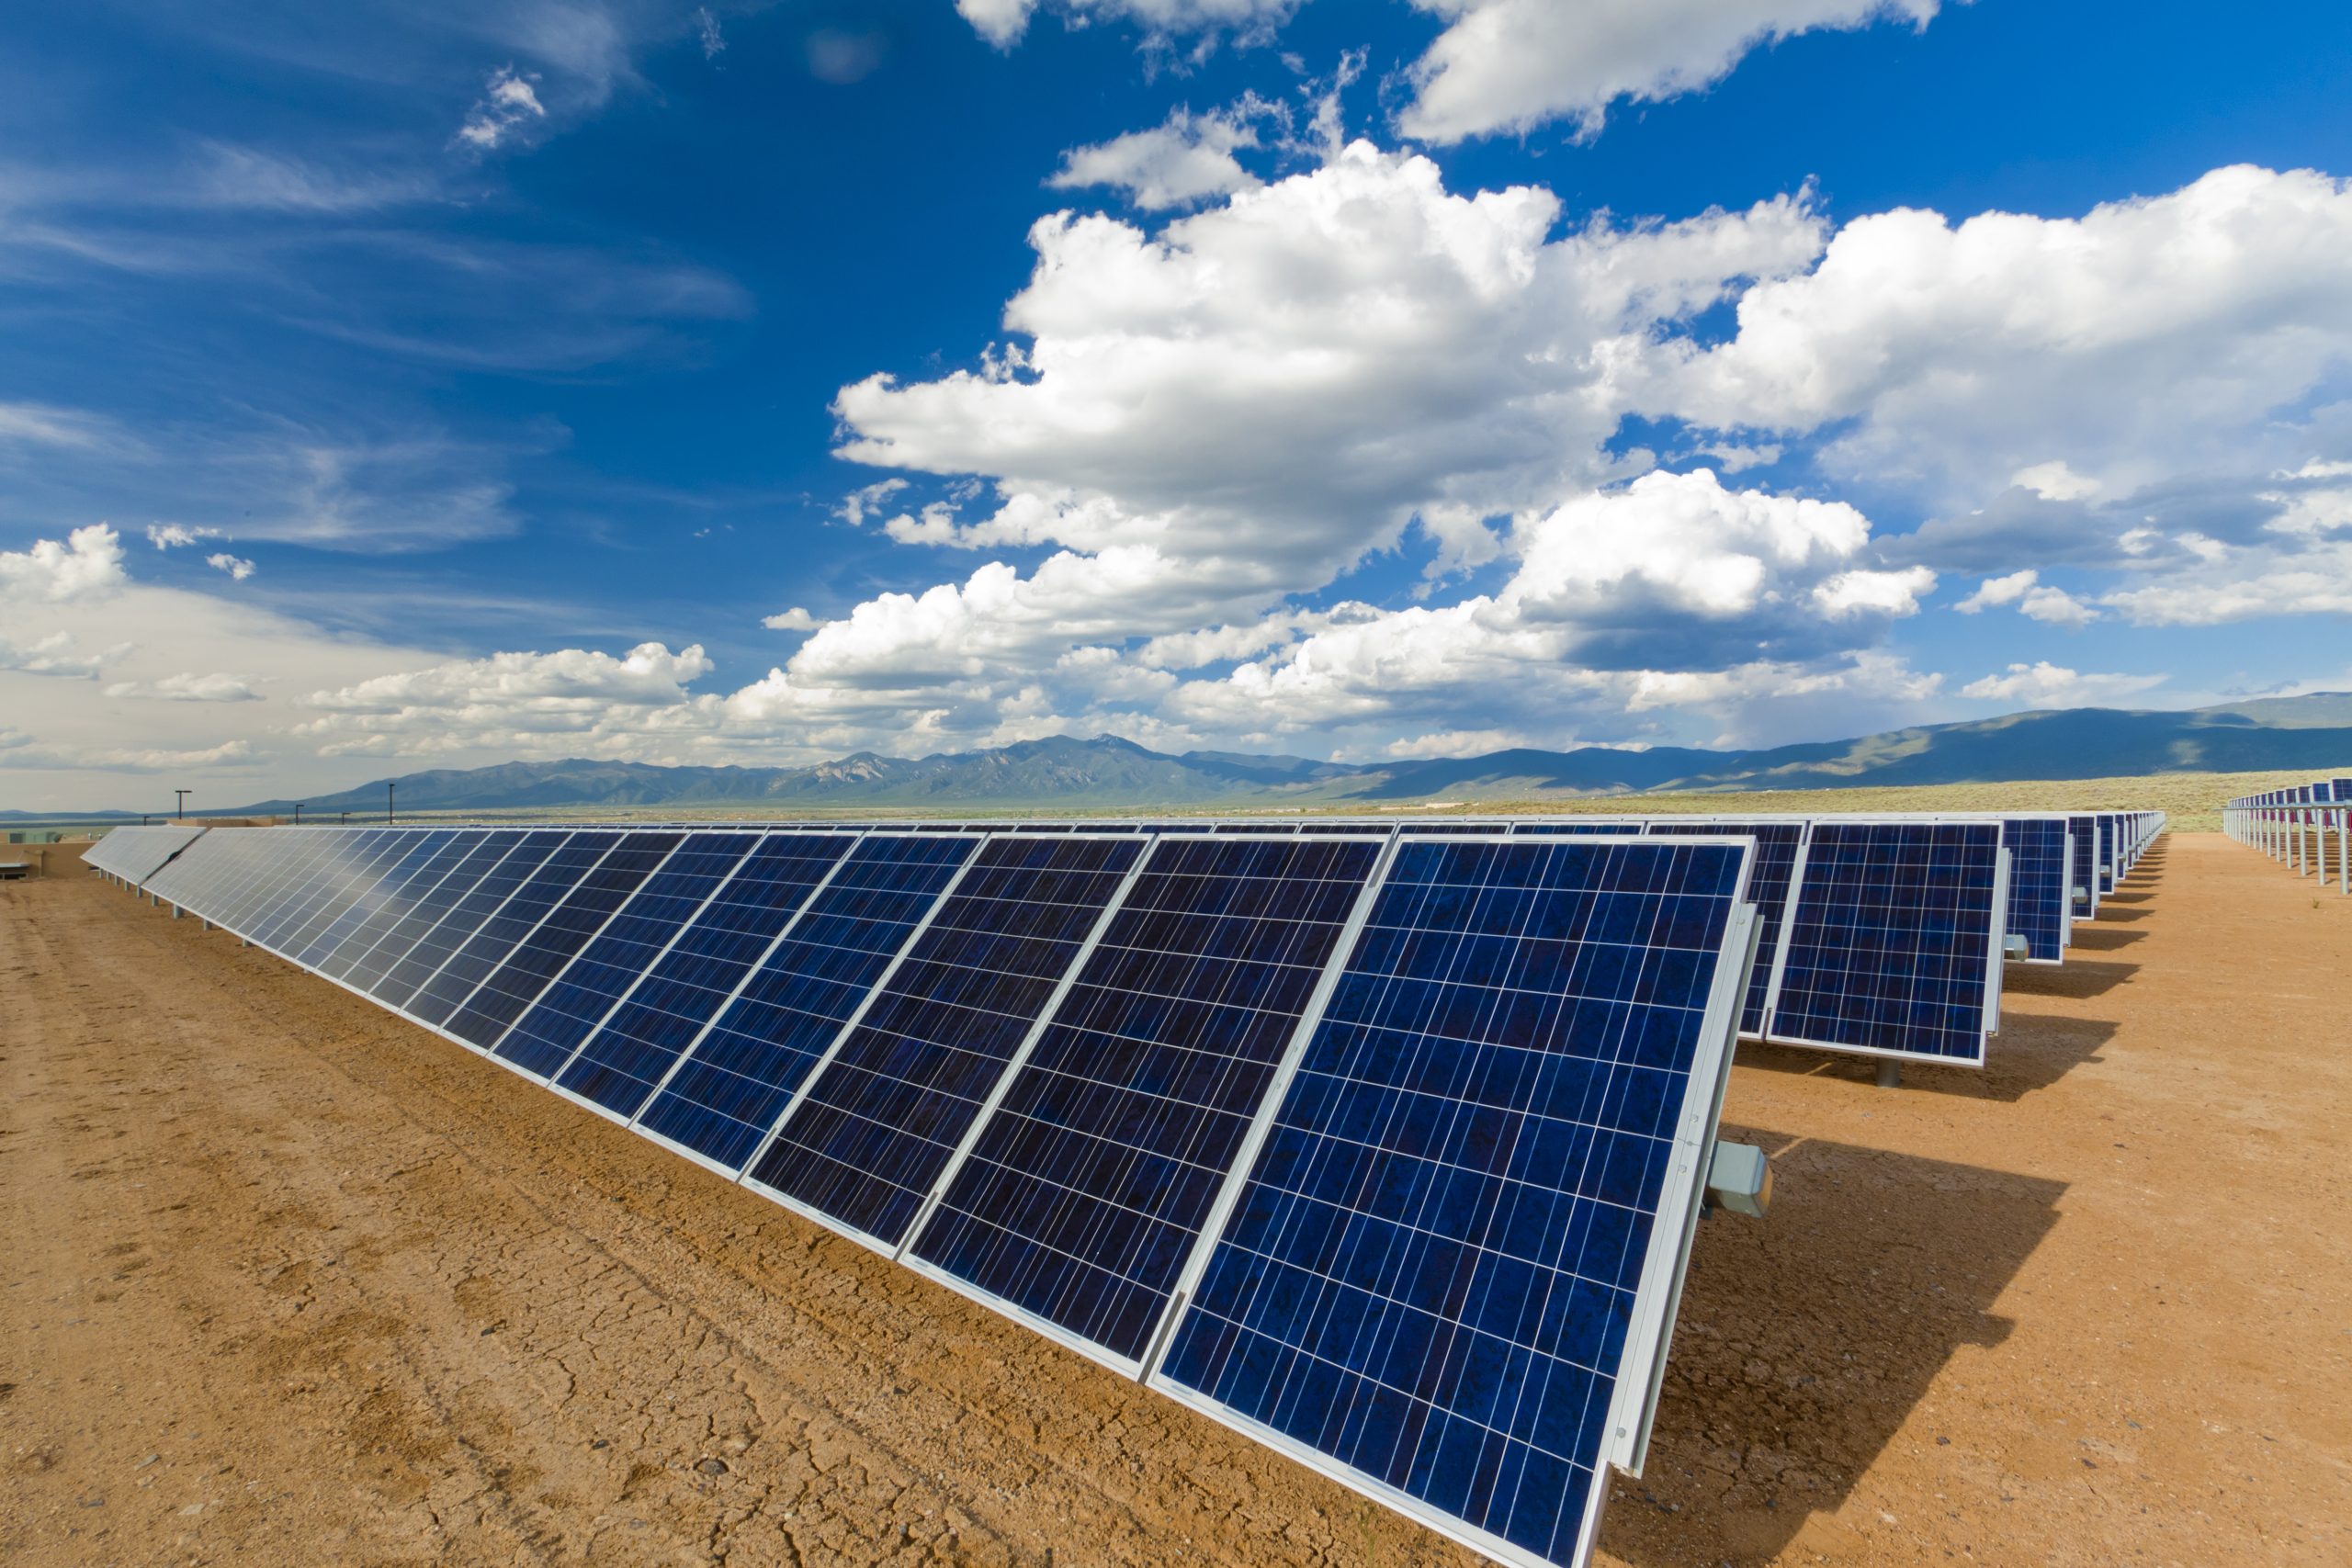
877,1127
1768,889
395,901
517,981
406,857
2111,849
485,851
1891,948
1087,1188
724,1096
2038,887
1594,827
480,915
1430,1274
545,1036
332,884
621,1063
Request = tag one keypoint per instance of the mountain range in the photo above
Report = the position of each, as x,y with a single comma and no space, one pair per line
1104,773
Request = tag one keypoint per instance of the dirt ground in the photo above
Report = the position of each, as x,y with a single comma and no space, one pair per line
287,1280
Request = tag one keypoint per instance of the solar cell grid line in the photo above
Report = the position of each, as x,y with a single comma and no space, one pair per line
186,876
864,1141
355,877
2038,862
449,848
1894,946
727,1090
248,902
250,871
1450,1276
586,911
341,935
1771,887
327,876
631,1054
338,873
476,851
1080,1198
545,1034
542,873
297,879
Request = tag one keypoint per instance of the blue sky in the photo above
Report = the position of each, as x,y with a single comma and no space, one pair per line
422,384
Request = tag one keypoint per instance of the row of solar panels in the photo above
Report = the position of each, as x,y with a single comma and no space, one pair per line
2292,826
1381,1146
1385,1150
1898,923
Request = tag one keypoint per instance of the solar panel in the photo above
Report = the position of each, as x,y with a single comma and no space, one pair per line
405,858
404,985
1573,827
622,1062
1449,1279
1893,947
2109,847
1770,878
545,1035
137,853
726,1091
476,852
448,851
1079,1197
2040,908
865,1145
2084,831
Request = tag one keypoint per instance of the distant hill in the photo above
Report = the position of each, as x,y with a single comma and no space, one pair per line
1109,773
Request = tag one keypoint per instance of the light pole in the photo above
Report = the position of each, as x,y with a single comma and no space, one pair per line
298,814
183,793
389,787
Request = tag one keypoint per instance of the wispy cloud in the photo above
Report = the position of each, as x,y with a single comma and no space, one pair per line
509,104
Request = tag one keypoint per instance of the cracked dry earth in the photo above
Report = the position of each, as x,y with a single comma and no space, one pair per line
287,1279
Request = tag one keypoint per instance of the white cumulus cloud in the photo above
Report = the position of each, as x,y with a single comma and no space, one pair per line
86,565
523,701
1513,65
1002,22
236,567
1189,157
2046,685
2032,598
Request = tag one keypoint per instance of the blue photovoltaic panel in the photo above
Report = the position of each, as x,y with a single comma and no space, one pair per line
404,959
330,882
1768,889
359,947
476,936
2039,866
1419,829
1892,950
517,983
879,1123
728,1091
389,884
622,1062
545,1035
2084,876
1430,1278
1087,1187
2110,847
194,876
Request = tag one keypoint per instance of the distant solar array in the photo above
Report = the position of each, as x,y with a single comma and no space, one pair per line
2306,826
1382,1143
